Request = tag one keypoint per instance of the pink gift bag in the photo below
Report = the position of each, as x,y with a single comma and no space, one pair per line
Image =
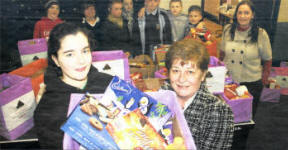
112,62
31,50
17,106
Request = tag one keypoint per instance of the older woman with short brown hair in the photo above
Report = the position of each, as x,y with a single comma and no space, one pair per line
210,120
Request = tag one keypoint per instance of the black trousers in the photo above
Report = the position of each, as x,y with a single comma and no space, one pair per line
241,135
255,89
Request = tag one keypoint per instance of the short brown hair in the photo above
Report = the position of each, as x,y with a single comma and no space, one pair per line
172,1
113,2
188,49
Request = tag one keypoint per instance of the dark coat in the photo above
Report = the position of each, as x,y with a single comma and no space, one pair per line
116,38
95,31
51,112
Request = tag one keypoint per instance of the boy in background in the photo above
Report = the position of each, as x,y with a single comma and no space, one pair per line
152,29
177,19
195,16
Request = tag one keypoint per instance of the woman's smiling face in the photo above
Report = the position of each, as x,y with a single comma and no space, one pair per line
185,78
74,58
244,15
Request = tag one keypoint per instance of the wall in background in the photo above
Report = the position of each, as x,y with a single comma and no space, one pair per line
280,45
283,11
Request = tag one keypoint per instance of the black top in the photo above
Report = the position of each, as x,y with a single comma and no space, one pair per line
52,110
116,38
95,30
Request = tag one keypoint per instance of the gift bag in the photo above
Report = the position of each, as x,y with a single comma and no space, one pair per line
270,95
215,77
284,64
240,106
280,74
17,105
161,73
35,71
112,62
33,49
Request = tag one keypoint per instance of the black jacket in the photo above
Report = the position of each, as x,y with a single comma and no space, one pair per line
95,31
52,110
115,38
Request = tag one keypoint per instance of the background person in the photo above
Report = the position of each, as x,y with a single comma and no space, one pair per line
43,27
69,71
177,19
153,28
195,17
90,20
115,30
245,46
210,120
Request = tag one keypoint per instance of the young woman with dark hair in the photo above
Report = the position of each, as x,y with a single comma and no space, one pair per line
69,71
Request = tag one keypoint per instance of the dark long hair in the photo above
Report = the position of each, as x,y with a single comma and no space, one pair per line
57,34
254,25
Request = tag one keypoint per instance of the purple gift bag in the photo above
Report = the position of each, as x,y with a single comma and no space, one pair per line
31,50
112,62
17,106
280,74
270,95
159,74
164,96
284,64
241,108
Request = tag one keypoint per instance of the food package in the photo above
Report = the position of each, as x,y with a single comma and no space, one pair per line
180,127
160,54
17,105
134,131
85,125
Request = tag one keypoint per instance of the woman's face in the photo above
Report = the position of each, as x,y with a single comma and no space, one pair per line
74,58
194,17
128,5
244,15
53,12
185,78
116,10
175,8
90,12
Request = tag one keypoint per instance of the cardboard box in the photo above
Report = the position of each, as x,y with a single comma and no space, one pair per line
147,70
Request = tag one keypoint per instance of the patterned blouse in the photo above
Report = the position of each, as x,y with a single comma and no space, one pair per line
210,120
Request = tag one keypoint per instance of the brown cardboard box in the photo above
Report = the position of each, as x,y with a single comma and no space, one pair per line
150,84
147,69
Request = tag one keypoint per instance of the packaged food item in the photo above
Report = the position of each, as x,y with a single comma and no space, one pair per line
128,98
134,131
